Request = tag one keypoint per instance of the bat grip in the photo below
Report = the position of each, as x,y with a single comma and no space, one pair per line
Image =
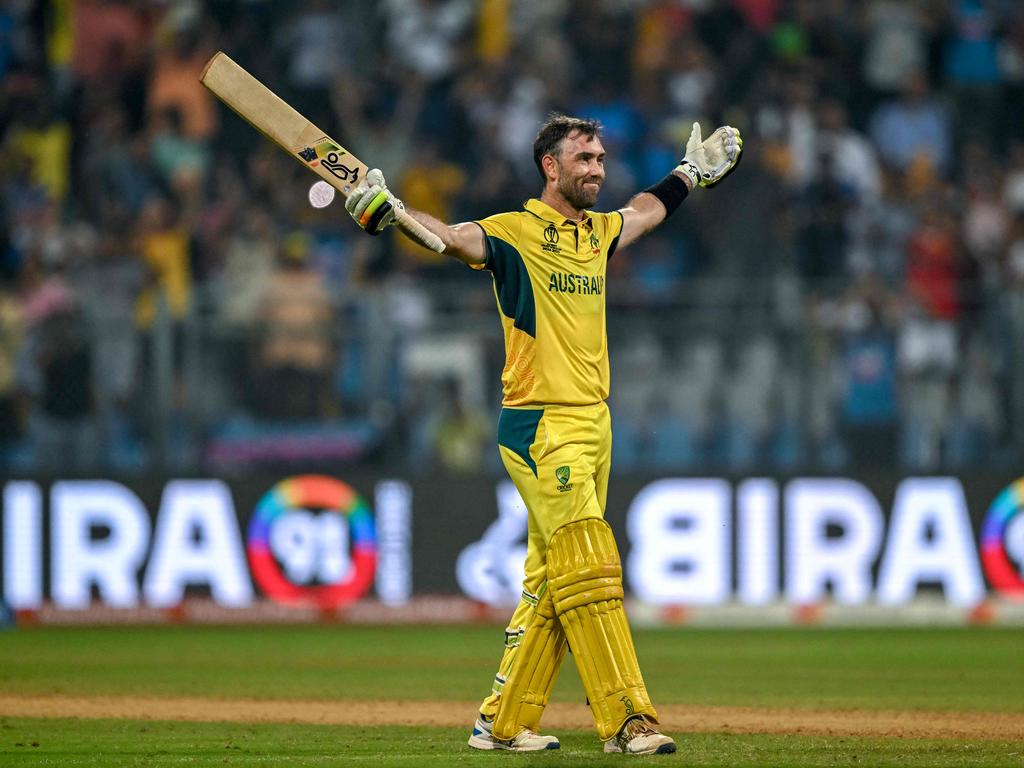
418,232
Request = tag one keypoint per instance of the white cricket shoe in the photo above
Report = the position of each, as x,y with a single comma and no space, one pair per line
524,741
639,737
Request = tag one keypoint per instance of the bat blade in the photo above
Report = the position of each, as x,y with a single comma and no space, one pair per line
272,116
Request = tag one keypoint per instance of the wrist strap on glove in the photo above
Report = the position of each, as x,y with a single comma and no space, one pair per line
690,170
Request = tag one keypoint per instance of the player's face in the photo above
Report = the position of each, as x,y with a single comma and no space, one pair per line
580,170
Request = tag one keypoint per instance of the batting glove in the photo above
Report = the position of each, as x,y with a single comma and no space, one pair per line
708,162
372,205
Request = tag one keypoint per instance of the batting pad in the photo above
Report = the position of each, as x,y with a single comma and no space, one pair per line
585,582
538,657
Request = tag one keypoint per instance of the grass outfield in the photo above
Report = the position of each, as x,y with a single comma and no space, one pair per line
135,743
927,673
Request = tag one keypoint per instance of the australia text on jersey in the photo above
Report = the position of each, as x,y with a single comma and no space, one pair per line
560,282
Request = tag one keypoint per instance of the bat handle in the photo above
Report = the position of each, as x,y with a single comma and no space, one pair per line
418,232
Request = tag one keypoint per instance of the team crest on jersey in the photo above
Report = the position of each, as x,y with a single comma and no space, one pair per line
595,244
562,475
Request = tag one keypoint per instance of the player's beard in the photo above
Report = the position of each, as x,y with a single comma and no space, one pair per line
576,193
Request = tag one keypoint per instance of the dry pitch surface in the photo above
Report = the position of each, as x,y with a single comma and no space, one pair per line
675,718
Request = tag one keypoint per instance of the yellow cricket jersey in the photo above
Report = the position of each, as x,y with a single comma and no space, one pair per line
549,281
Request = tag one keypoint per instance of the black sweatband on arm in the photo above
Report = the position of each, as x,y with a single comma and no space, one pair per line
671,191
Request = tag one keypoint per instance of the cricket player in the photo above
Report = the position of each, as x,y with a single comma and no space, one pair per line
548,262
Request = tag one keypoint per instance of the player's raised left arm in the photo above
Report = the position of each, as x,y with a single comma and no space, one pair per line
706,163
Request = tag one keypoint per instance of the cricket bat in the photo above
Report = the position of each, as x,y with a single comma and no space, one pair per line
278,121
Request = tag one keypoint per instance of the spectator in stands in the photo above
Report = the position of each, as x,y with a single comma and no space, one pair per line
43,137
986,221
825,207
181,161
249,265
429,184
55,369
869,405
854,161
1013,183
425,35
117,164
972,67
108,285
461,433
879,233
321,44
296,353
11,332
102,119
932,266
162,241
896,42
976,422
1011,60
929,338
912,127
174,79
109,35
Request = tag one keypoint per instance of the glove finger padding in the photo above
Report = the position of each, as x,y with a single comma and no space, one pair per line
722,146
722,152
694,144
360,200
709,161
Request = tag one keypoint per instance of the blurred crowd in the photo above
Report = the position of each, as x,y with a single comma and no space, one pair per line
853,297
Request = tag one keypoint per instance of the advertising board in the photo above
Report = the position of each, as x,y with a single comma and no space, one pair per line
323,541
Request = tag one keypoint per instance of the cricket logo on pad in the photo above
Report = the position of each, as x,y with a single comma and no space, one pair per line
562,475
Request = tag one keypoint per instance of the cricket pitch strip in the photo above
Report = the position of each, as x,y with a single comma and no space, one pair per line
675,718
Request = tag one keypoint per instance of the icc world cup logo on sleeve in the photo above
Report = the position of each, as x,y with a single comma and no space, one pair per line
311,541
1002,541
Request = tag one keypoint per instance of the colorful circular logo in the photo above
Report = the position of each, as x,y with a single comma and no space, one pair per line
312,541
1002,534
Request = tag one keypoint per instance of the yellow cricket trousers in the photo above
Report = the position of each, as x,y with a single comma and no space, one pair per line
559,458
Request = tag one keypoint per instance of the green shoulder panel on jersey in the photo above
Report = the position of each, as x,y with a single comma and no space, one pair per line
517,429
512,284
615,241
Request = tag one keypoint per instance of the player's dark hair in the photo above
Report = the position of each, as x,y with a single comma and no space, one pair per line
557,127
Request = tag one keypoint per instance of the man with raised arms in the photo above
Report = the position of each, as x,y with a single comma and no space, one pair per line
548,262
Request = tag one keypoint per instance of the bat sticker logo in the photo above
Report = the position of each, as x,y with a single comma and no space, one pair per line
343,172
308,154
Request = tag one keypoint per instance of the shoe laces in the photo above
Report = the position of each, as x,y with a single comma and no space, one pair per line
637,726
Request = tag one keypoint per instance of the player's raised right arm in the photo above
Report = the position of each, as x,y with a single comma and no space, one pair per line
463,241
374,208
